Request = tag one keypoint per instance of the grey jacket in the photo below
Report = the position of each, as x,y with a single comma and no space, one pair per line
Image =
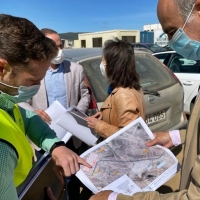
77,92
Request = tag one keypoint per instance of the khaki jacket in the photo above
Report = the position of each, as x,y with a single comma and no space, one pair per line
190,174
121,107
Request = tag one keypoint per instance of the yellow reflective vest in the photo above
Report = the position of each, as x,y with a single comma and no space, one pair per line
14,133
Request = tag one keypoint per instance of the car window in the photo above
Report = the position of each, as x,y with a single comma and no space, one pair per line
153,76
161,57
167,48
143,49
98,83
155,47
180,64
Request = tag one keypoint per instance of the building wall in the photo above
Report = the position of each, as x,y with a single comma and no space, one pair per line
77,44
104,35
67,44
146,37
160,38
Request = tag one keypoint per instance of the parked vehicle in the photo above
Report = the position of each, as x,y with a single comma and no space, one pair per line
148,47
163,111
167,48
187,72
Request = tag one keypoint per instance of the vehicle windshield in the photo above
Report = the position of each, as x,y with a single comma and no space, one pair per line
155,48
153,76
167,48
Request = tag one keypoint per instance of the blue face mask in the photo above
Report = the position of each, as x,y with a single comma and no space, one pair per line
183,45
24,93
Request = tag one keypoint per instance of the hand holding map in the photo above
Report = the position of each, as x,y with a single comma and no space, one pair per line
124,164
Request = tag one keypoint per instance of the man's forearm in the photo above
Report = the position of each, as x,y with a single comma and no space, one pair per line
38,131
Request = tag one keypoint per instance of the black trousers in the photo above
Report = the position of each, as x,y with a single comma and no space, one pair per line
75,184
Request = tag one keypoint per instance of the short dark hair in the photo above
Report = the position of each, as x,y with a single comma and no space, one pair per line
120,64
46,31
21,41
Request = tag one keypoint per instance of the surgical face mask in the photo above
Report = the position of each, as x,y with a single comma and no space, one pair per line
24,93
183,45
59,58
102,68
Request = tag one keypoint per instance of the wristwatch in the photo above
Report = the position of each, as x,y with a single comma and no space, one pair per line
57,144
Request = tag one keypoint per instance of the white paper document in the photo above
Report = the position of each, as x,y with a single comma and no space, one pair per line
55,110
124,164
74,121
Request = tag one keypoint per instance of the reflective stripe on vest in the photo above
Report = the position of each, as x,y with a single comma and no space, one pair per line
13,132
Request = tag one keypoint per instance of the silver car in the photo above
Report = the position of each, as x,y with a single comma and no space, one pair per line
147,47
163,91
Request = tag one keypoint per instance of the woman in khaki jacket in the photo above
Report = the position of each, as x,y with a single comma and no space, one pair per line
125,102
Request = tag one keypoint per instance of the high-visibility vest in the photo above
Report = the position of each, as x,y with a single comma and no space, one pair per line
14,133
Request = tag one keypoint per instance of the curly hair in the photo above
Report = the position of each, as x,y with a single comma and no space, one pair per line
120,64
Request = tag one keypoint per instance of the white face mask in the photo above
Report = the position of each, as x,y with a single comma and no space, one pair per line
59,58
103,70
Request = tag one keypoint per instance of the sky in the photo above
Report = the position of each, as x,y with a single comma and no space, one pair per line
84,15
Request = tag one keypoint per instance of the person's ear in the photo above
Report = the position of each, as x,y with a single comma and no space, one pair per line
197,6
4,67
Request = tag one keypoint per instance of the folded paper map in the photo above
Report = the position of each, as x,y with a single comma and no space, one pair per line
124,164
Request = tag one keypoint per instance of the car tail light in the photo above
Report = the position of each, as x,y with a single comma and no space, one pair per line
93,108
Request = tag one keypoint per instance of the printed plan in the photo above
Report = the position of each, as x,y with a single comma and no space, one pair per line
123,163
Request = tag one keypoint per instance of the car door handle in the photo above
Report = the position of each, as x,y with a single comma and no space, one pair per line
188,83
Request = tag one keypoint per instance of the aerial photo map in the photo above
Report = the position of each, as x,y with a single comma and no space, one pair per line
128,155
